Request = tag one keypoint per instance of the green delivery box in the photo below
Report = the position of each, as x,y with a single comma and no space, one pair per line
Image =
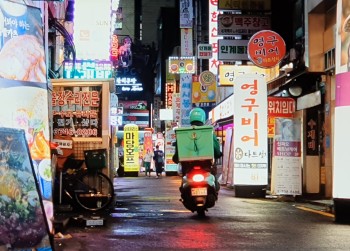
195,143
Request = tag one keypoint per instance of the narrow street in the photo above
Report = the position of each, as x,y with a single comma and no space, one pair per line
148,216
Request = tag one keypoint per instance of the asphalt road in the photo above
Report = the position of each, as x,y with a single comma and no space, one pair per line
147,215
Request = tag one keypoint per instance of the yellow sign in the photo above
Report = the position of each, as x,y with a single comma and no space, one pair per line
228,73
203,94
131,148
179,65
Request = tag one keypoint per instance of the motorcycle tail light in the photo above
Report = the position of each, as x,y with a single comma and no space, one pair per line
198,178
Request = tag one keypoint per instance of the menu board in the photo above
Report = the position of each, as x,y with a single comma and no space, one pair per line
23,223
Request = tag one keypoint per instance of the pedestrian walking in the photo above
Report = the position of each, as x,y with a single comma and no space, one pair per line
158,158
147,162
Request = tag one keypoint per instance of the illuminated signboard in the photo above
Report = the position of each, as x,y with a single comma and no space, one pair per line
257,5
180,65
92,33
114,48
87,69
170,89
134,112
228,73
77,111
205,51
231,50
131,148
128,84
238,24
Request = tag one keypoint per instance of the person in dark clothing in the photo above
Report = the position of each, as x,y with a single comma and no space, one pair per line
198,118
158,158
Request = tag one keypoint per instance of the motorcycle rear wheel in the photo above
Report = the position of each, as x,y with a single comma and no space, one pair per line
201,213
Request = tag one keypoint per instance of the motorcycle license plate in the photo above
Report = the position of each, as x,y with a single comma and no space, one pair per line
199,191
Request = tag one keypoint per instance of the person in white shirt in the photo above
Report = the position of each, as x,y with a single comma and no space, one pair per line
147,162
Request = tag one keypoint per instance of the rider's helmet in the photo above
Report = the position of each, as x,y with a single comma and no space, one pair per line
197,116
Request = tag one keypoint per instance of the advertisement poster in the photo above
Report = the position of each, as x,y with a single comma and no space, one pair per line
170,137
24,98
131,148
22,55
278,107
147,141
22,215
286,160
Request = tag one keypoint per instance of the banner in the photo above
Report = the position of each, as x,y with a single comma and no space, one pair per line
286,176
131,148
186,98
24,102
170,137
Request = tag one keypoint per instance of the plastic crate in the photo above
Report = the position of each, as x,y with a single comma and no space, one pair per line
195,143
95,159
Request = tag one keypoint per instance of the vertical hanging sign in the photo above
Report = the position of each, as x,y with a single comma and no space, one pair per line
250,140
186,98
213,35
131,148
186,50
186,42
186,14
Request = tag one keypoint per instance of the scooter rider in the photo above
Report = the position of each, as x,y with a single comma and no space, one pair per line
198,118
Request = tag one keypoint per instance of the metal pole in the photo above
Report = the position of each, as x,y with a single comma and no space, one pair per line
151,115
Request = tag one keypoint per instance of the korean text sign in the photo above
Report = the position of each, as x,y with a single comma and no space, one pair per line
77,111
266,48
131,148
250,136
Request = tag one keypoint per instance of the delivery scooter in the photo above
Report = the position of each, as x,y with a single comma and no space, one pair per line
199,189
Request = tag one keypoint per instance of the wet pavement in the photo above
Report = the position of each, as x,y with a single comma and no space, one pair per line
136,200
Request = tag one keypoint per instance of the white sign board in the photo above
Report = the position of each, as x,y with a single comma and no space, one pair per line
250,135
205,51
